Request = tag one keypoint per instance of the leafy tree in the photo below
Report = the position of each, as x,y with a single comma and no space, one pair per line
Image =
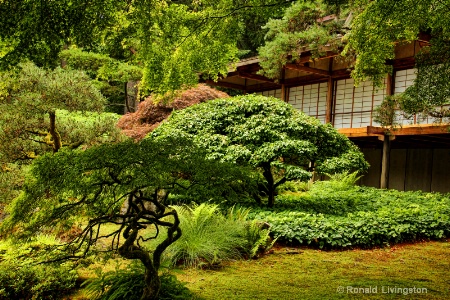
173,40
298,30
268,134
35,119
112,77
96,183
38,29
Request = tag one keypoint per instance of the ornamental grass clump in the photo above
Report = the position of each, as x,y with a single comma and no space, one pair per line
210,237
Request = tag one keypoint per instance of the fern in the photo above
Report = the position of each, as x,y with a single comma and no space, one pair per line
129,284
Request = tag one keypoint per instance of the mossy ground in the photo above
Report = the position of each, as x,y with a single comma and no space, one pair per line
301,273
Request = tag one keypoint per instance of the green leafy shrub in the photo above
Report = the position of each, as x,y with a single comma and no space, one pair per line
210,237
295,186
22,278
356,216
129,283
19,281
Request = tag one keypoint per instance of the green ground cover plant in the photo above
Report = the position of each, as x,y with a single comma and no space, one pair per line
336,214
22,277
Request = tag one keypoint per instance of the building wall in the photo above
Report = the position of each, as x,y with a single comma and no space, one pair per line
411,169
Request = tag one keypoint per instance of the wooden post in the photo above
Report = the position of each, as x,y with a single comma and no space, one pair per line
284,93
329,110
329,107
385,162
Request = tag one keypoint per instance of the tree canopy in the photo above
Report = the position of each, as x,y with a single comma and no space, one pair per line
267,134
35,115
173,40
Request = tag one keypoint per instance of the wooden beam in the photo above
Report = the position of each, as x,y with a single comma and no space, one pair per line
341,74
284,93
307,69
255,77
402,131
421,130
284,90
389,85
305,80
359,132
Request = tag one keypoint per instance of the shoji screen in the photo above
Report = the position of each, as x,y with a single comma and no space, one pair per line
311,99
403,80
272,93
353,106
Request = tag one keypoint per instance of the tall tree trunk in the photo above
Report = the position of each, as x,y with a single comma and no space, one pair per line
130,251
152,284
54,133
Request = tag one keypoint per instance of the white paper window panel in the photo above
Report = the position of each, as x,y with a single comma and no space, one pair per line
361,119
272,93
321,119
404,79
293,94
297,106
309,98
367,103
342,121
425,120
399,90
357,106
358,90
339,108
402,120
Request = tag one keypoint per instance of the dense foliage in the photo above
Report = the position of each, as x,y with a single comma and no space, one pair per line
117,80
333,215
21,277
266,133
173,40
35,282
43,98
